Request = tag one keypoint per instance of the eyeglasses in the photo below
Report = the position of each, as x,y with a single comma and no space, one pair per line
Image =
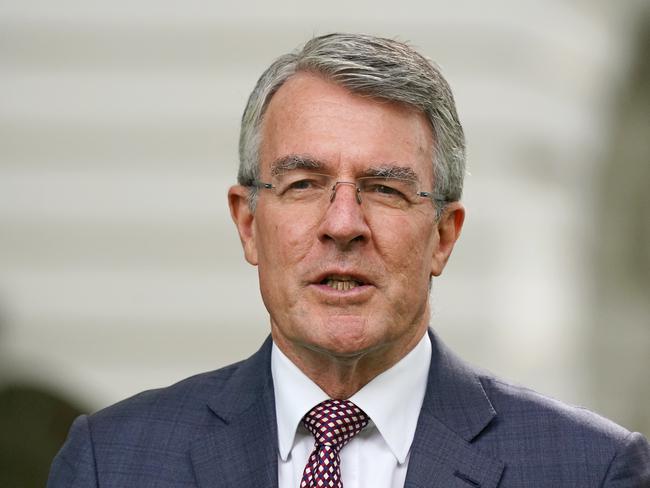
300,186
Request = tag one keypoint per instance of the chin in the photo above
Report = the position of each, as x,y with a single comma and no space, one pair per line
346,339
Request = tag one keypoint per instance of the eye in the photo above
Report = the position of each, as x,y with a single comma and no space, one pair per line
301,185
304,184
384,188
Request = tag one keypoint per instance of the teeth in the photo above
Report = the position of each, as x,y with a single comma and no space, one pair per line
341,284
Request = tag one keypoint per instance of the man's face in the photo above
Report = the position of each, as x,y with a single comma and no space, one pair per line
339,278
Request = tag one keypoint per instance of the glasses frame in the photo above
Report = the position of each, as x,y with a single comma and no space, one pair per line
435,198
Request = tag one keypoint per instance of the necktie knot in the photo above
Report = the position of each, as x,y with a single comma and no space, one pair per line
332,423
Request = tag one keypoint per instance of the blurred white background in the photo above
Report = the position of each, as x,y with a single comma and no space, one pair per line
120,269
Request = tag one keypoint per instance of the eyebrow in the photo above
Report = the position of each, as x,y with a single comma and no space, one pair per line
392,171
294,161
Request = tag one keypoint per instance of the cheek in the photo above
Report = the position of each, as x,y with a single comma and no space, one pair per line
287,241
406,247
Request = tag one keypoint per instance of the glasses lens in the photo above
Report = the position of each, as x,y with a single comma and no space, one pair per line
389,192
300,185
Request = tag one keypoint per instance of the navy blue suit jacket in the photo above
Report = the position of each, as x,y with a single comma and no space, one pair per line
218,429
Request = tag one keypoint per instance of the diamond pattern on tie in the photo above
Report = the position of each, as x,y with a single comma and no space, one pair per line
332,423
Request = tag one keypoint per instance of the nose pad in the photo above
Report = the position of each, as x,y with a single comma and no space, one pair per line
357,191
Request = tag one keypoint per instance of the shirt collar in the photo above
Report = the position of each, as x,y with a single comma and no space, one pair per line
392,400
295,395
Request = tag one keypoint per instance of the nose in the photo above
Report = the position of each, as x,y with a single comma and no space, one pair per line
344,222
351,183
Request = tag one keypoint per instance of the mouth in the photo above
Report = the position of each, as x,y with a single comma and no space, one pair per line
341,282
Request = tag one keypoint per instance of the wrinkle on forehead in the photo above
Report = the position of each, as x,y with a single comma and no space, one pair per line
316,125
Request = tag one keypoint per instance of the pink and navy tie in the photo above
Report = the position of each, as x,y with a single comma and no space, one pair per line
333,423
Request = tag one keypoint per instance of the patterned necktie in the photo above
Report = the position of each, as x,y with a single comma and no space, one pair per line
333,423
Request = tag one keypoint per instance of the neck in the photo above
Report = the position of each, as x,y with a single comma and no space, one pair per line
341,376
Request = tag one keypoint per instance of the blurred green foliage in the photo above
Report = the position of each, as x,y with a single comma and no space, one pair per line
33,426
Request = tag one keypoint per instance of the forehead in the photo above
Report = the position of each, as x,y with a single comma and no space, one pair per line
343,131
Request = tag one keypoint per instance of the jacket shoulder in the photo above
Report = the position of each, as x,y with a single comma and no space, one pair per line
534,432
147,439
189,395
158,417
517,403
141,438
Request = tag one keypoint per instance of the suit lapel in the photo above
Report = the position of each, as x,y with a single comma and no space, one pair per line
455,411
441,459
240,449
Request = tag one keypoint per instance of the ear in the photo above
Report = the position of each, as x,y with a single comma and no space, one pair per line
449,227
243,218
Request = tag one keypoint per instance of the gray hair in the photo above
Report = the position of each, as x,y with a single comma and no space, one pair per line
371,66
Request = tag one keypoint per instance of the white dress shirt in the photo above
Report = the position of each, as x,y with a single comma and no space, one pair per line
376,457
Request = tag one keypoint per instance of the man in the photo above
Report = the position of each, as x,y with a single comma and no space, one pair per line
351,171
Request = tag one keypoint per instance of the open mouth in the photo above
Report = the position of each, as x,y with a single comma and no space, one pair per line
341,283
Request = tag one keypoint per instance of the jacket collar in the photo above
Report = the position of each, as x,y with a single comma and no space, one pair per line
240,448
455,394
455,411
